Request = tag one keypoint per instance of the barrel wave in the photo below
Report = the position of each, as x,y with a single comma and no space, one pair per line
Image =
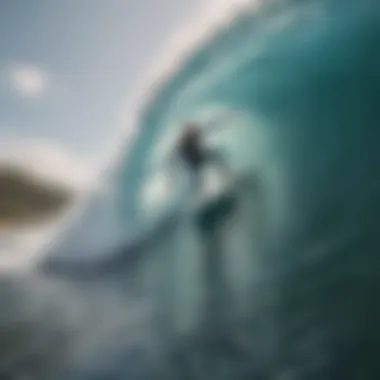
303,76
273,276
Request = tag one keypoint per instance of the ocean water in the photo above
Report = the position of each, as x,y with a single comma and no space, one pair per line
285,285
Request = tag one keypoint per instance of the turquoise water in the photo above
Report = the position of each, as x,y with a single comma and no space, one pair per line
281,281
303,76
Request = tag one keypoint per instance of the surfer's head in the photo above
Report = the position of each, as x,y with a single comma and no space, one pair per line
191,131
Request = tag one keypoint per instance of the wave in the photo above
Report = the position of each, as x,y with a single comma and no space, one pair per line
290,279
303,76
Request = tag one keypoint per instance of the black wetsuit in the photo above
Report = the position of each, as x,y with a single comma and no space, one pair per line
193,154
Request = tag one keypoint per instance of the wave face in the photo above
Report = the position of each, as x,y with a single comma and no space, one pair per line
304,78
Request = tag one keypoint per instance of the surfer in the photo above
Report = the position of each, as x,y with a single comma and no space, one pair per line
190,150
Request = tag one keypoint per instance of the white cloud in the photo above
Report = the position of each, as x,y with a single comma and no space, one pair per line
28,81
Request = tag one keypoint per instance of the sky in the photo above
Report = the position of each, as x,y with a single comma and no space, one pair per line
69,67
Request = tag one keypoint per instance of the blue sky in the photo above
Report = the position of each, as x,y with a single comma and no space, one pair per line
68,66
